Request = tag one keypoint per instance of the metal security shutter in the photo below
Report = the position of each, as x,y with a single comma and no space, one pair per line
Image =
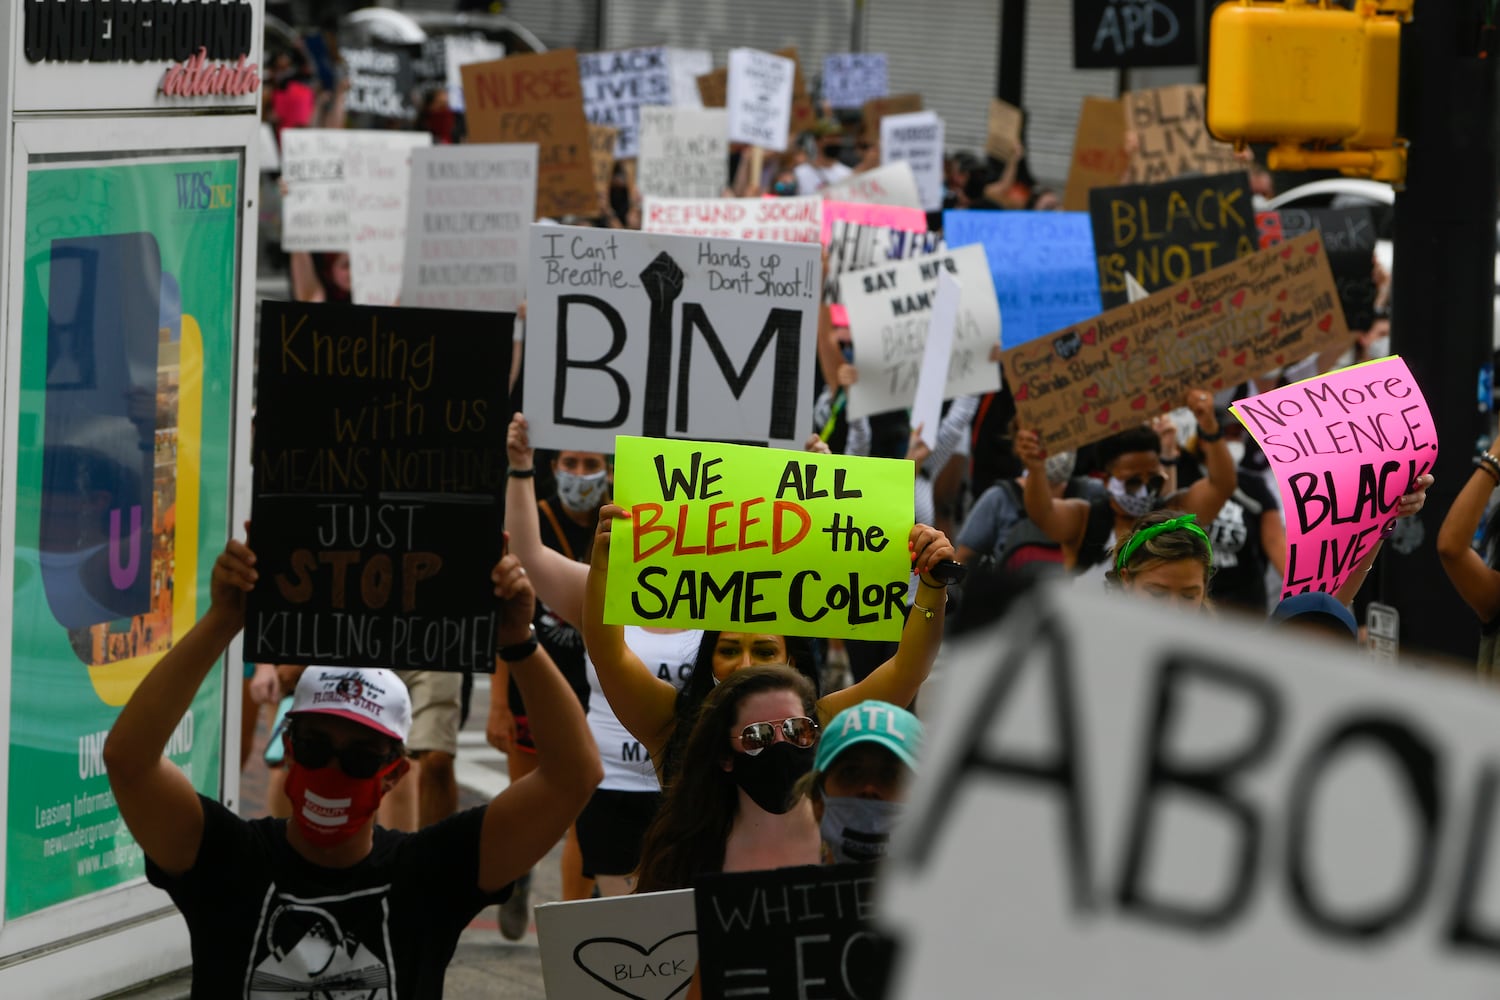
946,50
815,27
560,24
1052,90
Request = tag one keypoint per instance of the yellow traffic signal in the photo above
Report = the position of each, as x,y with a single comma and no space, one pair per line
1304,72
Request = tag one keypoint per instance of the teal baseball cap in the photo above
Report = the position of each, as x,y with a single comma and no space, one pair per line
877,722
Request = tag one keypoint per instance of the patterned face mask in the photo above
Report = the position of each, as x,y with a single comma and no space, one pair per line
1060,467
1135,498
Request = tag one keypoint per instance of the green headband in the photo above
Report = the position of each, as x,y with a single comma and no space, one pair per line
1187,522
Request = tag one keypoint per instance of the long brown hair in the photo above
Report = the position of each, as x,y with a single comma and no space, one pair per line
690,831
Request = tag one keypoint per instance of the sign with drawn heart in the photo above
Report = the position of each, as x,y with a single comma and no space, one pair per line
644,946
1119,369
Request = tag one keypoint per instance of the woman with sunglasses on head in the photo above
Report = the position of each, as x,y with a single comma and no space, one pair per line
1167,557
1140,481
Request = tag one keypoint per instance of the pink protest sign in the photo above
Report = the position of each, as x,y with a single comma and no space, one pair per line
909,220
858,235
1345,447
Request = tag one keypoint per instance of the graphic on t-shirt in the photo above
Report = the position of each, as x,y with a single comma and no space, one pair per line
1229,532
335,948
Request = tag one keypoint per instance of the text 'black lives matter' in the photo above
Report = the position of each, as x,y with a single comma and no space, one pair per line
380,464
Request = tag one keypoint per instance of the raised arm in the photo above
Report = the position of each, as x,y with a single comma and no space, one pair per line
898,679
1475,582
644,703
306,285
559,581
1207,496
157,801
1408,505
1062,520
527,820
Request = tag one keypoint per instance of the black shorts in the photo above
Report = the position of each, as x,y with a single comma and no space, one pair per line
610,829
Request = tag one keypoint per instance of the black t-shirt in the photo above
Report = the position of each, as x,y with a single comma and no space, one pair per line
563,642
267,923
1239,554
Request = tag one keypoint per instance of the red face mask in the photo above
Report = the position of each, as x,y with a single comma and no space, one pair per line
328,806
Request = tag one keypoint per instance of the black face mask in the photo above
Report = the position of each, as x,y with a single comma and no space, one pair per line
769,777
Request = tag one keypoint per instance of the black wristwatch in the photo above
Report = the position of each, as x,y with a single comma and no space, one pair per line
519,651
521,473
1206,438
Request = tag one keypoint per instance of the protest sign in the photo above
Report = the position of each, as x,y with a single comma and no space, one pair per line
916,139
889,309
602,157
680,336
1099,155
803,112
380,464
643,946
894,217
1116,34
684,152
1192,807
713,88
460,51
1003,139
793,932
814,540
471,206
859,236
1349,237
876,110
686,66
315,208
380,83
932,380
378,177
792,220
1172,137
1211,332
893,184
759,98
1345,448
852,78
1042,264
1166,233
1133,290
270,152
537,98
617,84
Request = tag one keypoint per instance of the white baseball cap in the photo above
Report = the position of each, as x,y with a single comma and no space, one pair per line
372,697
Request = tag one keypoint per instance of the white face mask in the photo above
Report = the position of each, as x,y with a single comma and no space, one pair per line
1137,504
1236,451
582,494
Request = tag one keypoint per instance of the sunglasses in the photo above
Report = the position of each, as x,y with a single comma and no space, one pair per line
799,731
1155,484
314,750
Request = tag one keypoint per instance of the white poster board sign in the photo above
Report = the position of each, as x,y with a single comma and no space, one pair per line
916,139
684,152
791,220
1190,807
467,231
932,382
315,209
643,946
458,52
760,98
668,336
687,65
616,84
852,78
892,184
889,310
378,177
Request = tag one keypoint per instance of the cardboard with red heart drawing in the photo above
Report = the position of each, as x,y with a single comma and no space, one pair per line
1096,378
643,946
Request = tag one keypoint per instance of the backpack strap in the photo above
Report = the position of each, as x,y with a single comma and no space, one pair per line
562,539
1096,532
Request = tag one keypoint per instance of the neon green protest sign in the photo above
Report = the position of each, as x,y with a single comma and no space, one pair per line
759,540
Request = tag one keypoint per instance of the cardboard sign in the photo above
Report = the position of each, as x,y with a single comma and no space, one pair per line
686,66
668,336
643,946
315,208
1172,137
889,313
380,83
792,220
1212,332
852,78
1349,237
1166,233
1042,264
803,112
893,184
1003,139
602,156
759,539
860,236
794,932
1099,155
460,51
380,465
537,98
1115,34
760,98
378,177
616,85
684,152
471,206
927,406
916,139
1192,807
1345,448
713,88
876,110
